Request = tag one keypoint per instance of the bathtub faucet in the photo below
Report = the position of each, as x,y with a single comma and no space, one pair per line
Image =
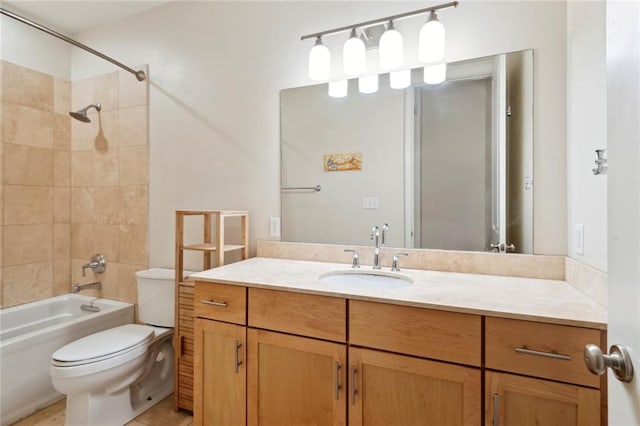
97,264
97,285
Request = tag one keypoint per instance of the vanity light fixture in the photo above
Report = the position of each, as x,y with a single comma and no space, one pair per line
391,53
431,40
319,61
368,84
400,79
338,89
354,56
391,56
435,74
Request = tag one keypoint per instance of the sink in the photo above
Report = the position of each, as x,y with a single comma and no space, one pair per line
365,279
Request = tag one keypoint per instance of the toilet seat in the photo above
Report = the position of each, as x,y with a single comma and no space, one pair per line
116,342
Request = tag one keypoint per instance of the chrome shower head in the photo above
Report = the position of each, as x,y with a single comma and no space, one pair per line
81,115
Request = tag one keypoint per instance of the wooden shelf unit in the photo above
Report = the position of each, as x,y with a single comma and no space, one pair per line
213,220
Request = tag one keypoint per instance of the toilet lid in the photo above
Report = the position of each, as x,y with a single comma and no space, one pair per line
102,345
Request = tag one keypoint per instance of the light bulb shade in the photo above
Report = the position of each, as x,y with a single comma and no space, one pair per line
338,89
435,74
431,41
368,84
354,59
391,49
400,79
319,62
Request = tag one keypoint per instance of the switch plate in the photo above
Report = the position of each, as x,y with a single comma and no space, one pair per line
274,227
370,203
579,242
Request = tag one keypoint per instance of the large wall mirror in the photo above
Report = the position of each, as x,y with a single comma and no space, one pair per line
447,166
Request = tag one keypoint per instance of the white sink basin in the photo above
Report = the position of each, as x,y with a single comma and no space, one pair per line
365,279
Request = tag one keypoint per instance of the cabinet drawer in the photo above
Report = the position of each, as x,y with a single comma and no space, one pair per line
447,336
304,314
542,350
220,302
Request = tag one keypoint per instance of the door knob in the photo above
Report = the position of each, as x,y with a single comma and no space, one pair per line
618,360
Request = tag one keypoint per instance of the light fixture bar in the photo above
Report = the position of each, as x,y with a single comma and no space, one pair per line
381,20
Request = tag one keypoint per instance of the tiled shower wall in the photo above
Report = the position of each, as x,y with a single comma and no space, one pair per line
70,189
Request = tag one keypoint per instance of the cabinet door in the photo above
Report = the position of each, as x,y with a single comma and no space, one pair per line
389,389
220,382
295,380
512,400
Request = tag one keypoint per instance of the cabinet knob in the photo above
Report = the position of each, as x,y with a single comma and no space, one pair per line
618,360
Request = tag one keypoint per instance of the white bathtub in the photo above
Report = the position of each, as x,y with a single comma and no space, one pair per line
30,333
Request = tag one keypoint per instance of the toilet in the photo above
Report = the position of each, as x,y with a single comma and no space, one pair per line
112,376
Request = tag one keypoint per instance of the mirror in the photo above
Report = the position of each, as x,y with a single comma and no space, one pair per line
447,166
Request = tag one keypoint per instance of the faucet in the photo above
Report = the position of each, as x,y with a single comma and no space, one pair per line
78,287
97,264
379,239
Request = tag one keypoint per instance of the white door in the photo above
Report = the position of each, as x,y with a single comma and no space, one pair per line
623,188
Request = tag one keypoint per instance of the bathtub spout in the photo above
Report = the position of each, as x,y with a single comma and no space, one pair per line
78,287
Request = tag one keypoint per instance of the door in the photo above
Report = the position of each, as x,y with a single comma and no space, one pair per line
523,401
295,380
623,209
220,388
390,389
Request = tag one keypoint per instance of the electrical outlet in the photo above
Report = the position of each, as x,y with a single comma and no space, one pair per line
274,227
370,203
579,243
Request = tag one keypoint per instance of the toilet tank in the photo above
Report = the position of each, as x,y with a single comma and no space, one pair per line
156,296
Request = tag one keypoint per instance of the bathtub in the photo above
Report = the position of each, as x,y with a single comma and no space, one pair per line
30,333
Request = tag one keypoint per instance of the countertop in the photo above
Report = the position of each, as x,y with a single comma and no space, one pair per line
542,300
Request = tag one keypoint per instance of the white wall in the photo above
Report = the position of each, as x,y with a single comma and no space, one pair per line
31,48
586,129
216,70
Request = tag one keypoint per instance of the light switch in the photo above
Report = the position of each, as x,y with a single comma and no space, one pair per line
274,227
579,239
370,203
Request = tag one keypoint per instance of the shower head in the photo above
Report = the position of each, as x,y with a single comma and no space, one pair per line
81,115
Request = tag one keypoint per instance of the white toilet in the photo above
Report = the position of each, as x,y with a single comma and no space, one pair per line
112,376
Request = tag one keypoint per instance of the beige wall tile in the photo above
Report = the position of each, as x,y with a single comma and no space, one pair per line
82,168
27,283
134,166
127,291
132,244
132,92
27,244
134,205
83,135
61,96
105,241
61,241
81,241
106,209
100,134
28,205
61,276
28,126
61,204
107,137
1,249
83,202
105,171
82,93
27,87
27,165
61,168
133,126
105,90
61,132
1,287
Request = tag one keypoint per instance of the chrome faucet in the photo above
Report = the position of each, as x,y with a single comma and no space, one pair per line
97,285
97,264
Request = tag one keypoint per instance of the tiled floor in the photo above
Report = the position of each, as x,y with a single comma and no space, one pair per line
161,414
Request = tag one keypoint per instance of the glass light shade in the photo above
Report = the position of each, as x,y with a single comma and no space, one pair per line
400,79
431,41
435,74
391,49
368,84
354,59
319,62
338,89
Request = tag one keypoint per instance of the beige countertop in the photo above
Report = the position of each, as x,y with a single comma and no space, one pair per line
550,301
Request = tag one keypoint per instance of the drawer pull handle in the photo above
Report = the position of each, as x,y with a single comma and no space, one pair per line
237,361
214,303
524,350
496,409
353,385
337,379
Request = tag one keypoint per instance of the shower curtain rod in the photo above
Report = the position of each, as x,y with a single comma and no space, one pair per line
140,75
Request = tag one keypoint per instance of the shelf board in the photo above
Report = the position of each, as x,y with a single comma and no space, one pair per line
209,247
225,213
